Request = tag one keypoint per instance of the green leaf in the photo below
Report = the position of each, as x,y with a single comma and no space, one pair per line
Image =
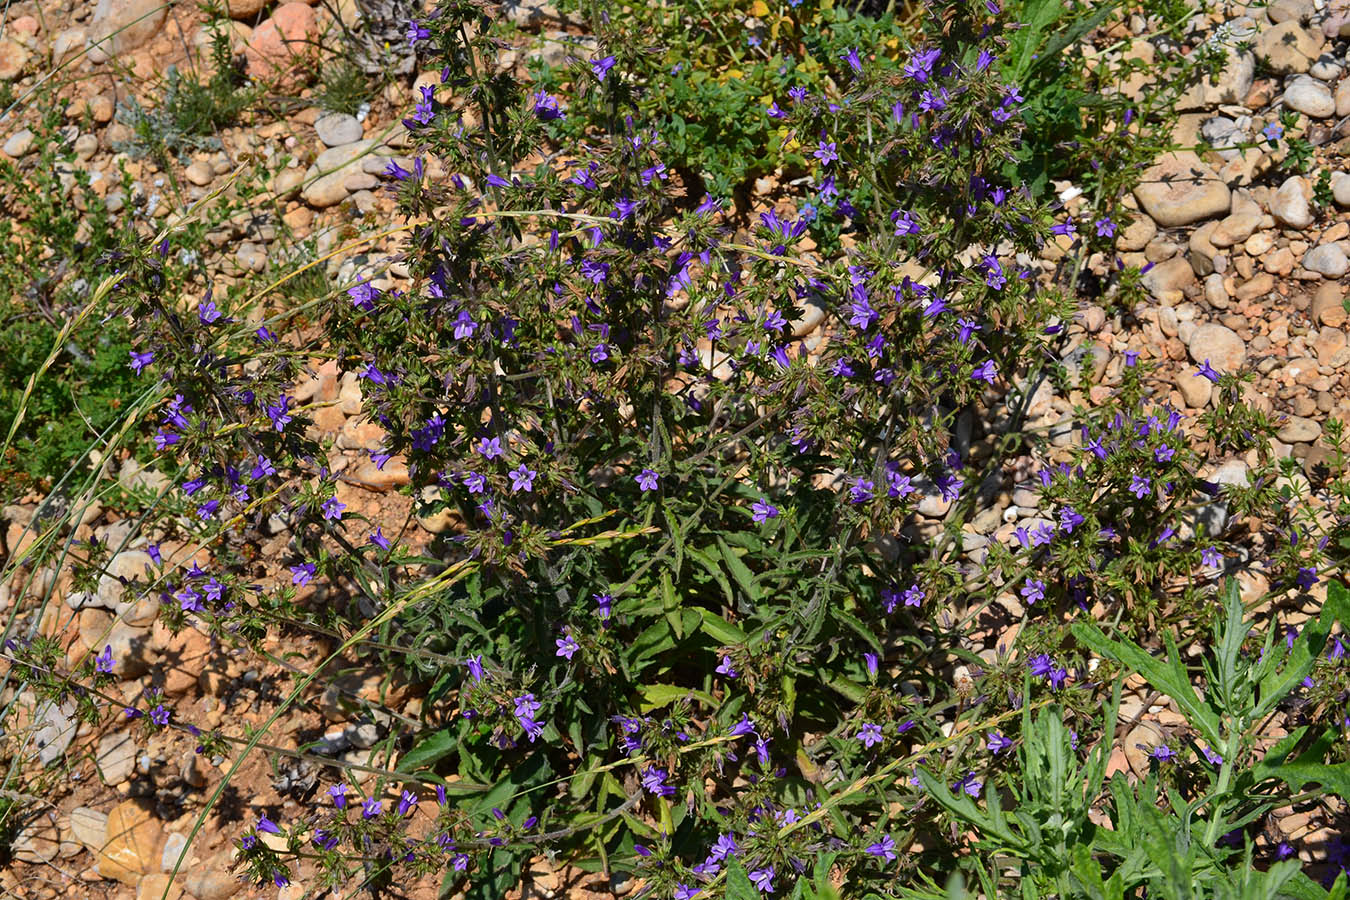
739,886
428,750
655,696
1170,677
745,579
720,630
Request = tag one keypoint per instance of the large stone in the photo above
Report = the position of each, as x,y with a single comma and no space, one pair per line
1220,345
284,42
1326,259
1298,430
125,568
1328,305
120,26
245,9
327,178
130,844
14,57
1291,204
336,129
1180,189
1310,97
1340,187
20,143
1195,389
1230,86
1288,48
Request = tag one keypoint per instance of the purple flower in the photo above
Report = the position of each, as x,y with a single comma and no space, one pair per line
1105,227
546,107
602,66
1207,371
763,510
303,574
379,540
1163,753
884,848
1210,756
103,663
159,715
406,802
860,491
1131,357
491,448
1041,665
604,604
725,667
685,892
339,794
1069,519
207,311
1307,577
826,152
371,808
653,779
998,743
475,666
1211,557
1032,591
763,879
267,825
1141,487
985,372
647,480
869,734
332,509
465,326
522,479
566,646
363,295
970,784
140,360
416,33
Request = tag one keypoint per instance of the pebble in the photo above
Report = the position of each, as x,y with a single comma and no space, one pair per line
1169,277
14,57
1136,235
1310,97
1326,259
1326,68
1290,205
1234,229
212,880
326,179
159,886
86,145
337,129
1195,389
173,846
1181,189
1216,293
19,144
55,732
199,173
1220,345
1340,187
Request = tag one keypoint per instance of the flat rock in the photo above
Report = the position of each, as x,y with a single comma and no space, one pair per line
55,731
116,757
336,129
283,42
124,568
1298,430
89,827
1288,48
130,844
326,179
14,58
1328,305
120,26
245,9
1169,277
1326,259
1311,97
212,880
1234,229
1220,345
1180,189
